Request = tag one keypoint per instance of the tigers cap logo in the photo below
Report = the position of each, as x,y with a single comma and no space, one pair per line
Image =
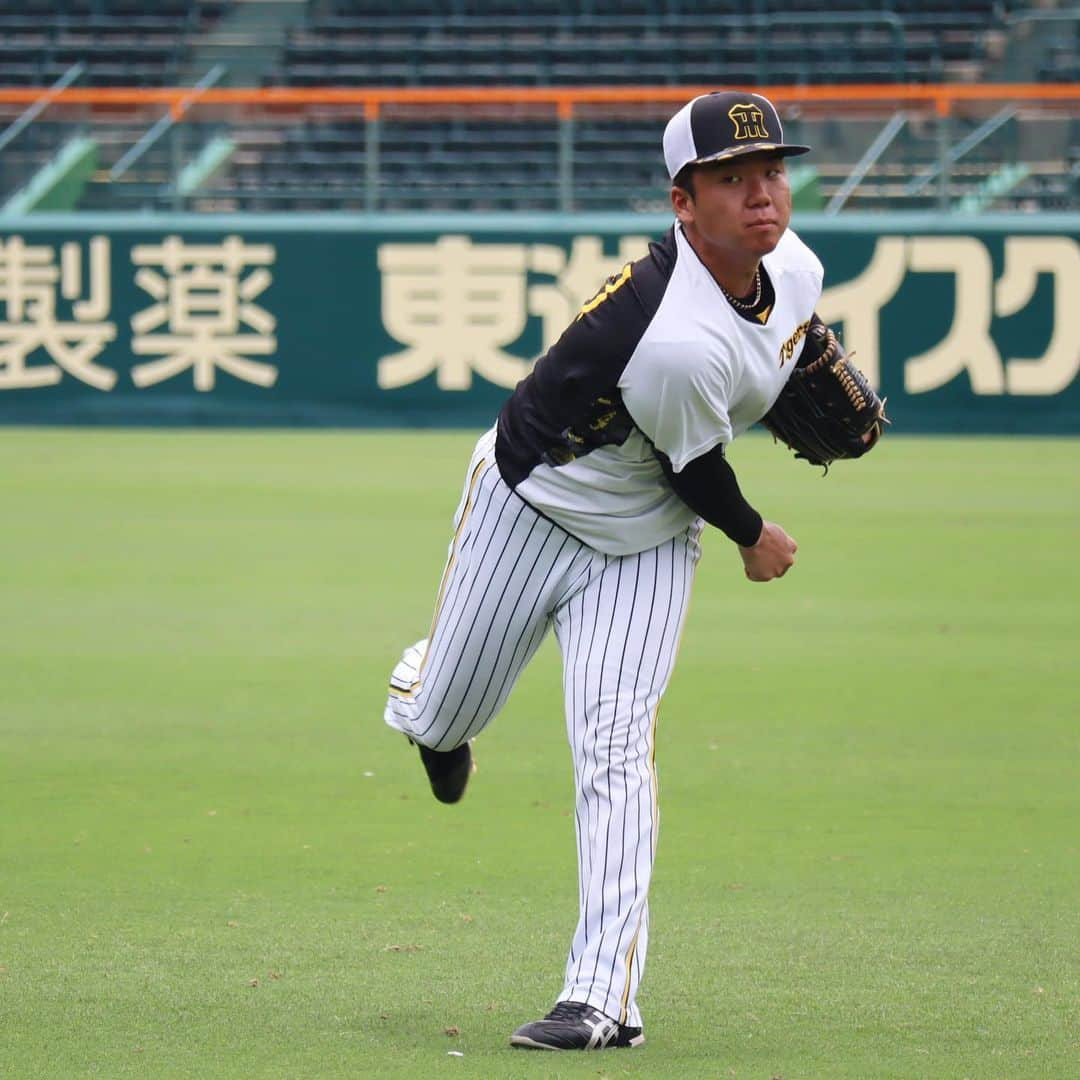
724,124
749,121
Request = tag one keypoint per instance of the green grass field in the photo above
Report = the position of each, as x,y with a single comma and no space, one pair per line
215,860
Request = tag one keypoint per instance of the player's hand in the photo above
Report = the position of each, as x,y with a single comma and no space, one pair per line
772,556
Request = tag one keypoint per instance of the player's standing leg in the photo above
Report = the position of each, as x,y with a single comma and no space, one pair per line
619,634
619,638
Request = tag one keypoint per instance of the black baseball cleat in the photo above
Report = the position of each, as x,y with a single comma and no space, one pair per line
572,1025
448,771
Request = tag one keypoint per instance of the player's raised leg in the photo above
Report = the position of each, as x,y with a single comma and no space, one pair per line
506,568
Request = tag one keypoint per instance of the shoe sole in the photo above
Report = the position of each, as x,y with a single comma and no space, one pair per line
523,1042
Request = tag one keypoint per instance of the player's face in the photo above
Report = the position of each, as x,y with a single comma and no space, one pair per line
739,208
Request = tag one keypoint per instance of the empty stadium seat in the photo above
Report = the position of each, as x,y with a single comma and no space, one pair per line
443,163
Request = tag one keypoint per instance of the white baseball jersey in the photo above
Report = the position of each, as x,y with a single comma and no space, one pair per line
658,358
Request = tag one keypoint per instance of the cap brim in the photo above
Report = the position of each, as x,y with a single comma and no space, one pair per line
781,149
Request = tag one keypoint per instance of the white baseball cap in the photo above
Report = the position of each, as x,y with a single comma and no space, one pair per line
724,124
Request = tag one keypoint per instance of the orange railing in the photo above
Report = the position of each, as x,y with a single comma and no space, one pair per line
987,105
942,98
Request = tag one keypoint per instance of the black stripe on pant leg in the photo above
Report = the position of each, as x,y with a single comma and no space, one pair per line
506,618
580,718
596,744
666,643
633,726
665,651
466,605
596,802
662,650
679,559
512,665
473,526
498,614
458,594
462,541
575,632
454,572
572,650
672,620
473,573
629,618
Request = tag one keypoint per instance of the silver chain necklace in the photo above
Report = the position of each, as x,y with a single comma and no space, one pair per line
744,305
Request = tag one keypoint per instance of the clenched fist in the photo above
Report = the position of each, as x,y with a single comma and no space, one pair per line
772,556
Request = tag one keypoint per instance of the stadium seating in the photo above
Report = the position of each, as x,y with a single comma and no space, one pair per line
659,49
1061,62
562,43
119,42
23,157
506,160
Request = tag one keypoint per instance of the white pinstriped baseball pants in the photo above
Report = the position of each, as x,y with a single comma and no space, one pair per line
510,575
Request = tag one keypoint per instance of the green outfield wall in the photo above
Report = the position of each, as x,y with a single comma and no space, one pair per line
966,324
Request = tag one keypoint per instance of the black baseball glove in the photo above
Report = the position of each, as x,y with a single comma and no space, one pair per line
827,410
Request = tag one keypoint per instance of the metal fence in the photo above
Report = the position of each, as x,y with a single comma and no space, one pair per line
965,147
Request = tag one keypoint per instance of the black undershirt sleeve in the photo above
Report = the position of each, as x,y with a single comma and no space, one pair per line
709,487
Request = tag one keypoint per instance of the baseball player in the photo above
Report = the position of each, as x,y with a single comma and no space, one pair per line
582,510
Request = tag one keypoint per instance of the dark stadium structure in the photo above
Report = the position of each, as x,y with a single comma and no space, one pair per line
453,157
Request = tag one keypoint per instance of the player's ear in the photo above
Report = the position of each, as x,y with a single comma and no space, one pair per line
682,202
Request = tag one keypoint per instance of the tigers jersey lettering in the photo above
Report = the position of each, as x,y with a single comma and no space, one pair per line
612,284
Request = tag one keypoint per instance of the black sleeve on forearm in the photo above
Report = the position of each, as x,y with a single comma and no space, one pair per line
708,486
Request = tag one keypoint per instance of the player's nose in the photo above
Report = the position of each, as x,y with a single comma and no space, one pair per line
757,192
